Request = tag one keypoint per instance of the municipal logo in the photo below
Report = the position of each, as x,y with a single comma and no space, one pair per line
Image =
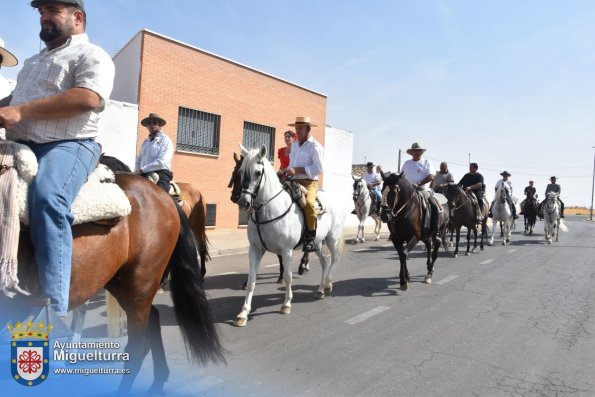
29,352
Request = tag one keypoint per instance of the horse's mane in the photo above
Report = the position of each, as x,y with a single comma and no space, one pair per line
114,164
271,184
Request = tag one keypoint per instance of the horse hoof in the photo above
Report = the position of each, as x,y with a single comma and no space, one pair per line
467,253
280,280
428,279
319,295
377,238
481,249
300,270
455,256
328,290
404,287
285,310
354,242
240,322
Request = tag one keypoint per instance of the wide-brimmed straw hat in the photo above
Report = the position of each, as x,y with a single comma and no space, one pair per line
415,146
152,116
505,173
302,121
7,58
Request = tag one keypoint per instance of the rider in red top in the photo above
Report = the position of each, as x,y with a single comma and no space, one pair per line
283,153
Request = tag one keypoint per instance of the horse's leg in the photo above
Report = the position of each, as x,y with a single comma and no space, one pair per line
287,277
378,227
429,260
557,229
78,320
468,241
255,255
494,227
458,237
319,294
332,242
281,269
483,230
160,368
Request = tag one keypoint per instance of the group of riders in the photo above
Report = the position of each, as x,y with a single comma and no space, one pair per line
420,173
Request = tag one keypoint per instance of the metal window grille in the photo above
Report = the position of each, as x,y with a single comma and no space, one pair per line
211,215
198,131
255,135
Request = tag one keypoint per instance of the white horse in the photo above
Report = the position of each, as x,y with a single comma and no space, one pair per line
551,217
363,209
501,213
277,224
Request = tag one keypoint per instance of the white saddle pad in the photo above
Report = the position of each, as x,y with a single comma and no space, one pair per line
440,198
99,198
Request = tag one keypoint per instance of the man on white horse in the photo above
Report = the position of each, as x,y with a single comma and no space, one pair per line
373,181
508,183
305,165
420,172
552,187
473,182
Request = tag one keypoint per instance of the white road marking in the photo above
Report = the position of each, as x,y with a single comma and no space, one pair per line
362,250
273,265
224,274
511,251
387,245
366,315
486,262
446,279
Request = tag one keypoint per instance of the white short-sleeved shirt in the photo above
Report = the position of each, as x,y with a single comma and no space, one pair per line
309,155
77,63
372,178
417,171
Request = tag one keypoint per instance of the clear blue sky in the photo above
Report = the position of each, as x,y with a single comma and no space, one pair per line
508,82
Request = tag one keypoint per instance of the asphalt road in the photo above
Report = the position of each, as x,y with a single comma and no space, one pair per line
514,320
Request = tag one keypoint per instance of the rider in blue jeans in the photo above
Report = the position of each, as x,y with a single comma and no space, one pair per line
55,109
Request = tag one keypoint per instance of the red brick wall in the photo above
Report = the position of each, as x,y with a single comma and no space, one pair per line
174,75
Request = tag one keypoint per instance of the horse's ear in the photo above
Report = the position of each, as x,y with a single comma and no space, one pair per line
402,173
354,178
235,157
243,149
263,151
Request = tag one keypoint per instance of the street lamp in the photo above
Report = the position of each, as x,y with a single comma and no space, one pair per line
592,186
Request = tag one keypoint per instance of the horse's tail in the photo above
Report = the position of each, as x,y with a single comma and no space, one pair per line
190,302
563,227
198,220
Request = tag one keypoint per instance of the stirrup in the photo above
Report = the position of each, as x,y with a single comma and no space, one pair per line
310,246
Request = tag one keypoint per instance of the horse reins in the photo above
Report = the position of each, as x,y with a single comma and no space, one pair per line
256,209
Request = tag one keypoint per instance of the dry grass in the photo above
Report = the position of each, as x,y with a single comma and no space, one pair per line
577,211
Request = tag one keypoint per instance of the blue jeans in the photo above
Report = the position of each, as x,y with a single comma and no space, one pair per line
63,168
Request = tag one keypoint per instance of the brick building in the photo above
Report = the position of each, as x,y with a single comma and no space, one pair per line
211,104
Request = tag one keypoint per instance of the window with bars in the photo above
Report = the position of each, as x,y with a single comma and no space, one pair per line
255,135
198,132
211,215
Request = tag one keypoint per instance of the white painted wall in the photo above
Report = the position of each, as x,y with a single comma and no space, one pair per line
118,131
127,63
338,152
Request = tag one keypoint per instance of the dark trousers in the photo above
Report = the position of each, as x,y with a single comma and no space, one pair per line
165,177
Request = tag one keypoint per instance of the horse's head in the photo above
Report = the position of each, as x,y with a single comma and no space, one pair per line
396,183
253,171
235,182
359,187
503,193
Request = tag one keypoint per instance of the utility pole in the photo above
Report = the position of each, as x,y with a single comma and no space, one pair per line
469,159
399,164
592,186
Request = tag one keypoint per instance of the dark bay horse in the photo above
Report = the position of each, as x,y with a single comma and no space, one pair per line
530,210
130,259
463,214
193,207
406,225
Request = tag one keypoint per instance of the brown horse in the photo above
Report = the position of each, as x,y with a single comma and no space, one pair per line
464,215
129,259
405,221
193,207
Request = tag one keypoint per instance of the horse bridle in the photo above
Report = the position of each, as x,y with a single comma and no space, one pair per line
454,203
357,198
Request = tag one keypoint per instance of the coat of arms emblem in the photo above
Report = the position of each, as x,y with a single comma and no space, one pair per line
29,350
